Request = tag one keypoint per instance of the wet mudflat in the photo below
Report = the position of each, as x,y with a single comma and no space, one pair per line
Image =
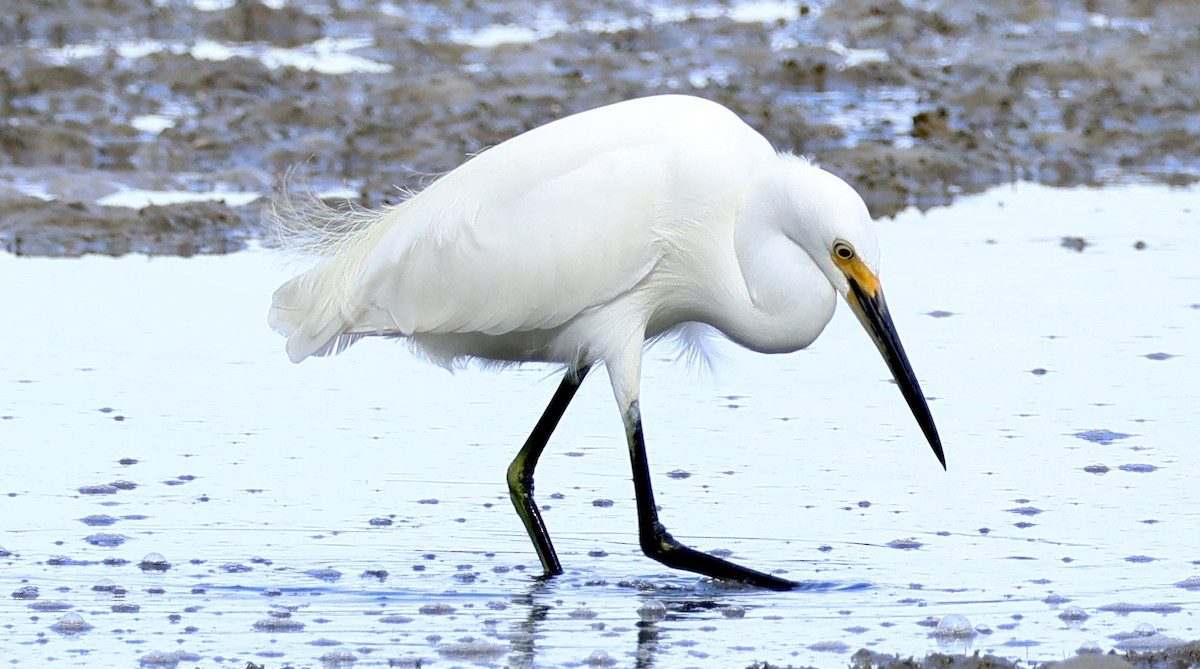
117,113
353,510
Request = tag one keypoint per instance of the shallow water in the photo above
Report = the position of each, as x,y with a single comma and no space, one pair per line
1063,385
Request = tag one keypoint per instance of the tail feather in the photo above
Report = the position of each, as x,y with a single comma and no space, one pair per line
310,328
312,309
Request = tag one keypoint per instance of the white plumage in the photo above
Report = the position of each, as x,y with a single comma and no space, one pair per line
586,213
579,241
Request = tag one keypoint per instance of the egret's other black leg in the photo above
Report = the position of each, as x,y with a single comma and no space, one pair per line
658,543
520,472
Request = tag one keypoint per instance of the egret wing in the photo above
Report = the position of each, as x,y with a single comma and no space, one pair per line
524,236
514,248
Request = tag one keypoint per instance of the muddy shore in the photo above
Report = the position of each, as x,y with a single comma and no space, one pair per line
914,103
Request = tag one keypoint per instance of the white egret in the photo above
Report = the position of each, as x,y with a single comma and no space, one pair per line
580,241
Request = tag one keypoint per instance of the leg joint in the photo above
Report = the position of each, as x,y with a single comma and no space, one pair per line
520,477
656,541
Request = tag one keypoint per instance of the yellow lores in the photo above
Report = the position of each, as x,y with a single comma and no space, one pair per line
854,269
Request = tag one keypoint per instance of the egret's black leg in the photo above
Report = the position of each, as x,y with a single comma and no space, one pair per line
658,543
520,472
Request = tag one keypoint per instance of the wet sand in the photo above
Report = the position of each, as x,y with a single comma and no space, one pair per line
914,106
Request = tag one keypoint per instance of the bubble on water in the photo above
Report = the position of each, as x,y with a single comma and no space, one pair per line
125,607
1127,607
154,562
105,585
582,614
71,623
1054,599
48,605
160,659
829,647
101,489
436,609
328,575
395,620
1102,437
1074,243
652,610
1096,469
602,503
472,650
106,539
338,658
98,520
375,571
1189,583
599,658
733,611
983,629
905,544
678,474
1089,648
278,625
953,626
1145,638
1026,510
1073,613
26,592
124,485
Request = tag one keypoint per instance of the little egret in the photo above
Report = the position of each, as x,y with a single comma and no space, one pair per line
580,241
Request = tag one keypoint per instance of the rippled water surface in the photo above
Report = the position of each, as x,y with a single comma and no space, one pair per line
355,507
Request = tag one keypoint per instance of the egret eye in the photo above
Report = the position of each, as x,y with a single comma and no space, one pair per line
843,250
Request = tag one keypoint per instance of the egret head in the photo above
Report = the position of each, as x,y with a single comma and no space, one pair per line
834,227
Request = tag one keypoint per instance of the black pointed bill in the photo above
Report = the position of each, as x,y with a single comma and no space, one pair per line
866,299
